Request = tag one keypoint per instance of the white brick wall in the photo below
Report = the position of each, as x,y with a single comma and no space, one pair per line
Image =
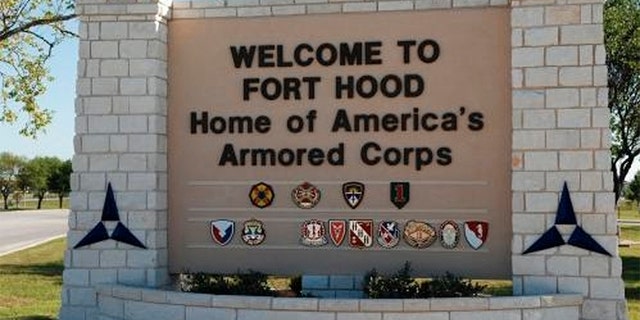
560,133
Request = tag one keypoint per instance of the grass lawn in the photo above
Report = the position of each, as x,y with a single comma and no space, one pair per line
30,282
31,204
629,210
631,275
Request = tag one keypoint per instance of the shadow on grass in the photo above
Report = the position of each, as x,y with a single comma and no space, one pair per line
43,269
34,318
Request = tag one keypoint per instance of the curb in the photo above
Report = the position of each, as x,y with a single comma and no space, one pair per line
35,244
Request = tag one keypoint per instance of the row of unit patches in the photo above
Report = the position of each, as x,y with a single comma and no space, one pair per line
360,233
307,196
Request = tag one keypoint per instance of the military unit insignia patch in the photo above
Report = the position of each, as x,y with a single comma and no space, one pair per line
312,233
222,231
449,234
399,193
419,234
253,232
261,195
337,231
361,233
388,234
353,193
476,233
305,196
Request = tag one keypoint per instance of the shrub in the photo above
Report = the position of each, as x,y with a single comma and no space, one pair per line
401,285
252,283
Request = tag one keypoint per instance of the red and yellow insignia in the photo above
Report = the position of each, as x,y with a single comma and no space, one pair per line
337,231
261,195
305,196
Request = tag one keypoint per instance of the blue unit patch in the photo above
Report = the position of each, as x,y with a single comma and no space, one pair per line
222,231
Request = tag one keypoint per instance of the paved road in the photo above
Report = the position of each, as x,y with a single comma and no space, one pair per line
629,222
20,229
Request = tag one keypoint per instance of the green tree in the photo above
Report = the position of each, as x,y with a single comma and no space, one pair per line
29,30
35,174
632,191
59,180
622,42
10,165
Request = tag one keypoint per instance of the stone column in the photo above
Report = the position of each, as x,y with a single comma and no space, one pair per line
561,133
120,139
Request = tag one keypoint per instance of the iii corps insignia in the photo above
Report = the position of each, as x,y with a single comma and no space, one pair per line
449,234
388,234
312,233
419,234
361,233
353,193
261,195
399,193
476,233
222,231
337,231
305,196
253,232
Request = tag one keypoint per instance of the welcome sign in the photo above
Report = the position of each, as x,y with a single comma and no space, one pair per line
337,143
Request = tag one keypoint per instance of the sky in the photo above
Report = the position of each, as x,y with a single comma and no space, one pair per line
57,140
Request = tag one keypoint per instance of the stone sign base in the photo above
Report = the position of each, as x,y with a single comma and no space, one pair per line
132,303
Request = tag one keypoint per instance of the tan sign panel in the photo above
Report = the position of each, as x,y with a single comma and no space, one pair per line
387,131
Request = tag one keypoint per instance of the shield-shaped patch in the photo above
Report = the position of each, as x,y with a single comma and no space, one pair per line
476,233
399,193
353,193
360,233
388,234
337,231
222,231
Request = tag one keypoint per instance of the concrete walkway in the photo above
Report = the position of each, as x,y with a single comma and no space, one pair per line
23,229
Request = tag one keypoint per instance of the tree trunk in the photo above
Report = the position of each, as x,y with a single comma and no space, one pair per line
60,196
6,201
40,202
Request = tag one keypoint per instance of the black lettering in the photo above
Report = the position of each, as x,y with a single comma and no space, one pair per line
425,121
444,156
351,56
372,52
430,56
228,155
396,86
242,55
406,45
247,87
348,87
449,122
316,156
265,56
286,157
372,84
263,124
335,156
414,85
320,54
297,54
202,122
366,122
276,92
341,121
280,55
311,81
266,157
424,156
390,122
364,153
476,121
218,125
